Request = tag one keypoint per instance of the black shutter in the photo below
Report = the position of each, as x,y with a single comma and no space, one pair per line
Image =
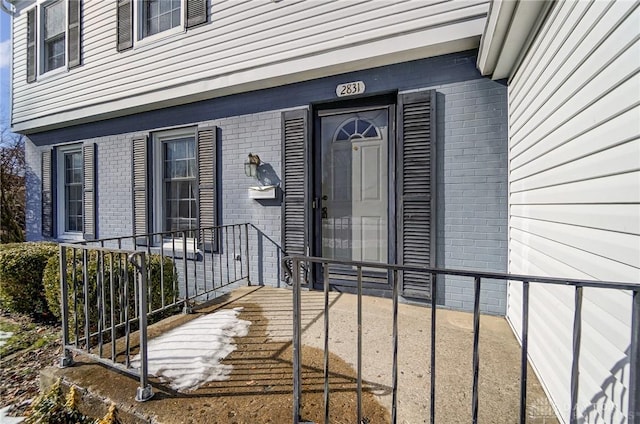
47,178
139,179
294,164
207,172
196,12
73,46
89,222
31,45
416,189
125,24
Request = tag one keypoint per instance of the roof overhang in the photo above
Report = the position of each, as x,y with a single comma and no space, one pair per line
509,30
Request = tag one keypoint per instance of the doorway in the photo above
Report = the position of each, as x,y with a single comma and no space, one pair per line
352,180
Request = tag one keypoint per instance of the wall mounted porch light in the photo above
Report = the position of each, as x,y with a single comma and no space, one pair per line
251,165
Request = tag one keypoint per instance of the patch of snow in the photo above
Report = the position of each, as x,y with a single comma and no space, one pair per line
9,420
189,356
4,336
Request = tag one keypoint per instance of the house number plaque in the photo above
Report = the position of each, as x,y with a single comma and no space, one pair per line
350,88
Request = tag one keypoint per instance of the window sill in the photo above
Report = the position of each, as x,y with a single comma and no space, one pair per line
158,39
175,249
70,238
52,74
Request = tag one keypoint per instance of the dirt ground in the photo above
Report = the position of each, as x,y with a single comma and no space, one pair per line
37,347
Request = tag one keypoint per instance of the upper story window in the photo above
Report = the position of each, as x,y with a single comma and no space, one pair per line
160,15
53,36
146,20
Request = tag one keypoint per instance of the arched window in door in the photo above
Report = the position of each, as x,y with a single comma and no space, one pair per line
356,128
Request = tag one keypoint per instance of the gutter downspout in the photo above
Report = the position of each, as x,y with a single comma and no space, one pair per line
7,7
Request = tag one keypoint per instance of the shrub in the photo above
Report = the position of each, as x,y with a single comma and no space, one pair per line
110,273
21,269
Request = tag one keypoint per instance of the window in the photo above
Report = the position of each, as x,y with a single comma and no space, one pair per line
179,191
68,177
174,181
53,36
159,16
146,20
71,185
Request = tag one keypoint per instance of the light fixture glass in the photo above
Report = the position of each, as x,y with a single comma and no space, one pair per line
251,165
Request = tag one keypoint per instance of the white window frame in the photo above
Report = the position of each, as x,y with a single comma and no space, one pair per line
158,139
61,207
138,25
40,66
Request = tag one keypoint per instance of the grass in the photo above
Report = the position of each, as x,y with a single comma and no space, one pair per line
26,336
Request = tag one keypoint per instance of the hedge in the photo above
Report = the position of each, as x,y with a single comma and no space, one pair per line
21,269
51,281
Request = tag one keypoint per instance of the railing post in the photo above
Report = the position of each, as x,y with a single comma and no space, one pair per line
394,369
432,397
575,362
634,360
297,374
144,392
325,289
66,359
187,308
476,352
246,250
523,358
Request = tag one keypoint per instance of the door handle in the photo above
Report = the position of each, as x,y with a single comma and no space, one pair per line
325,214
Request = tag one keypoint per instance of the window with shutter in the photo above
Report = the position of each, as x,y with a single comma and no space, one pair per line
176,172
145,20
53,36
416,189
295,141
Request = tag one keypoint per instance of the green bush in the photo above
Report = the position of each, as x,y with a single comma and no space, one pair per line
111,273
21,269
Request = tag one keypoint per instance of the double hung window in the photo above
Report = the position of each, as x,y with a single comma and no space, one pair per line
70,185
68,176
174,181
160,15
142,21
179,192
53,36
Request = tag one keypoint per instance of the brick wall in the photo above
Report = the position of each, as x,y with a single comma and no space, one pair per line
472,190
471,181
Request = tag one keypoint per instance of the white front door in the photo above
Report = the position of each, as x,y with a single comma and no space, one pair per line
355,185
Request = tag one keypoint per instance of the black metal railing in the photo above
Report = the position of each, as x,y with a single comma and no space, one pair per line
293,265
111,287
205,259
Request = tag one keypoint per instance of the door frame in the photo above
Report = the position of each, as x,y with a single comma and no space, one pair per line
361,103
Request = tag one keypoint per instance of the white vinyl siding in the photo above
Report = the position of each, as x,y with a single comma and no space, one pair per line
246,45
574,155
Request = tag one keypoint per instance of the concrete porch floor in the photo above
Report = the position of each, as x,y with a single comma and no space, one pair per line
261,379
